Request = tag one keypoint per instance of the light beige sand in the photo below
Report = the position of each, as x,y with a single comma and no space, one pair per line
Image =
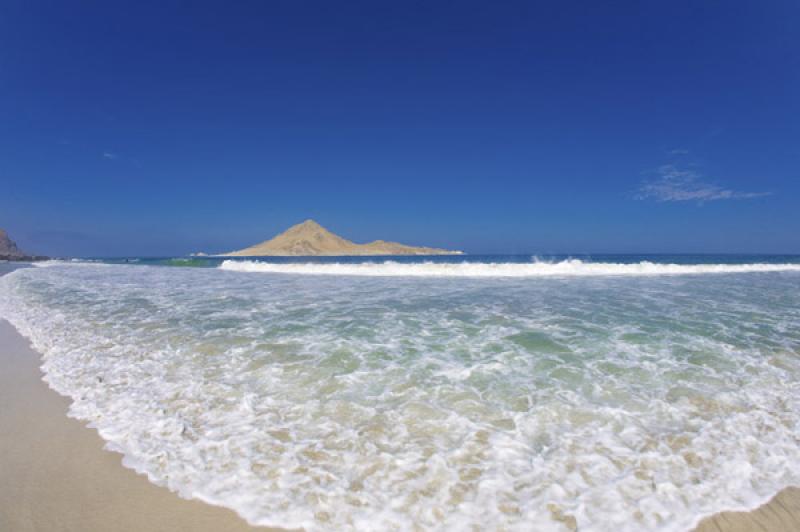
54,475
781,514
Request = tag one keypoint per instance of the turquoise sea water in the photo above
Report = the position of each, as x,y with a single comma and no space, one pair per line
450,393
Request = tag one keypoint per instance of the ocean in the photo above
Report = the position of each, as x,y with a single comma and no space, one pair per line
612,393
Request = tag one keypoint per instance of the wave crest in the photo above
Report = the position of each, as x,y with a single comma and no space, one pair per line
565,268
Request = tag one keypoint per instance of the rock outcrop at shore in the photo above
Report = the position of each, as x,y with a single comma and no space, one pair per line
311,239
10,251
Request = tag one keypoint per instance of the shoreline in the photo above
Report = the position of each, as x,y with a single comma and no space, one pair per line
780,514
62,477
58,476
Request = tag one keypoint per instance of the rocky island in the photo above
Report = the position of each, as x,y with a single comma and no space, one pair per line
311,239
10,251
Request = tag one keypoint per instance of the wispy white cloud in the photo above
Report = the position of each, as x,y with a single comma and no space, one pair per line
679,151
109,155
676,184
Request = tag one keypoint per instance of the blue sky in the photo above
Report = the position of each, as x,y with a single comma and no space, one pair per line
160,128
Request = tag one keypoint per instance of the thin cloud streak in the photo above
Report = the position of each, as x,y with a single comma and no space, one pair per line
676,184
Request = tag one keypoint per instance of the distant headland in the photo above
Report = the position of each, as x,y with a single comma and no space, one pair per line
311,239
10,251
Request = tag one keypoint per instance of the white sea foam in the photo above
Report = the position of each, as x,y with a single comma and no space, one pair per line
566,268
340,403
71,262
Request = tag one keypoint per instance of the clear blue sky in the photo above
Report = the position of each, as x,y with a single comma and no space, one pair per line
162,128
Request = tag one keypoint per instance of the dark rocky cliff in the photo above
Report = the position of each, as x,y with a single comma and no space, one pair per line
10,251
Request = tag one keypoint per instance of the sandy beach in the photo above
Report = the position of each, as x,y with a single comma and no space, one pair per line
781,514
56,475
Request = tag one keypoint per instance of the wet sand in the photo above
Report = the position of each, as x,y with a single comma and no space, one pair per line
781,514
55,475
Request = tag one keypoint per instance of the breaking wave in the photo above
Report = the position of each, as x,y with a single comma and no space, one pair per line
565,268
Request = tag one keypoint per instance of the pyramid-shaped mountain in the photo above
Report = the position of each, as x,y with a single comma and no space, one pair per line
311,239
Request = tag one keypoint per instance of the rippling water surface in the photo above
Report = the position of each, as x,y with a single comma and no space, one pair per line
638,398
